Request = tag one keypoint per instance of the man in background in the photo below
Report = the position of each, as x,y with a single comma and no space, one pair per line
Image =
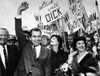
9,54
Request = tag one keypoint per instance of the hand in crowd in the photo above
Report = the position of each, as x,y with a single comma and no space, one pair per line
70,57
22,7
65,66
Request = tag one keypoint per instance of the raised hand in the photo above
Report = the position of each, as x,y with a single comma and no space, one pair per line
22,7
70,57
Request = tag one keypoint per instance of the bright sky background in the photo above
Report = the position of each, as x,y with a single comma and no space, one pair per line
8,10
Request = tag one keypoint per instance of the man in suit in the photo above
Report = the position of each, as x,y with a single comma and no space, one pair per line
8,54
35,60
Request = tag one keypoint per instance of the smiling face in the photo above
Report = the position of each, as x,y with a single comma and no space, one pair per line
36,38
44,41
4,35
80,45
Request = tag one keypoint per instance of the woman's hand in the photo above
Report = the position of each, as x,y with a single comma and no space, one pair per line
70,57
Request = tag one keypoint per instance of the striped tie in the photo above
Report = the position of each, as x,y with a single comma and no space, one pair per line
5,55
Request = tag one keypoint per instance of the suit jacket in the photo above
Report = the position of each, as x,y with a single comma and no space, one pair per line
29,65
13,57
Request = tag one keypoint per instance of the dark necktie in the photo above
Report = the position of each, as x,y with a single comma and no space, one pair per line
5,55
35,51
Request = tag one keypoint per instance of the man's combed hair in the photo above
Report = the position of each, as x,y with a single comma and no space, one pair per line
34,29
5,30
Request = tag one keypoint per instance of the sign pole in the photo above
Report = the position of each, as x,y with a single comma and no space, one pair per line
96,3
65,47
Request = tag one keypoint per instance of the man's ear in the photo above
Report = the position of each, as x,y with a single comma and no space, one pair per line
30,38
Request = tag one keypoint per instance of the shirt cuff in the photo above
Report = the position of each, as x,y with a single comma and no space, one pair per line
18,16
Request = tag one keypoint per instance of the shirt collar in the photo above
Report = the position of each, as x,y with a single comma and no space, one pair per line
4,46
37,47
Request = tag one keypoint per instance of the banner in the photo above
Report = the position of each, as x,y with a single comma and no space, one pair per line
75,7
93,16
79,9
66,23
46,30
72,8
51,11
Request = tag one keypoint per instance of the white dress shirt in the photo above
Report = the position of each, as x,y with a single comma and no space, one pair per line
38,49
2,54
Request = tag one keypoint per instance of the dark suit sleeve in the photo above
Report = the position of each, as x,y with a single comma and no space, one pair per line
48,67
27,62
20,34
91,65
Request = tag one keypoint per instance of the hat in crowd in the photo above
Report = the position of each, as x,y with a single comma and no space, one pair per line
76,39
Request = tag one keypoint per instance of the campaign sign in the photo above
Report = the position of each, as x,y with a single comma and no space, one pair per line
50,11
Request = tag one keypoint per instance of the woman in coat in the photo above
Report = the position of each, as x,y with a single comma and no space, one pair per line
58,56
81,62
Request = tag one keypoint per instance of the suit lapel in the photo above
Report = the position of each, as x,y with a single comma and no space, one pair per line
42,52
31,50
1,64
8,50
34,52
86,58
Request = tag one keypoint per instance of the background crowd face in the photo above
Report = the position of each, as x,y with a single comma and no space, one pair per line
80,45
36,38
4,35
96,36
44,41
54,41
88,41
70,39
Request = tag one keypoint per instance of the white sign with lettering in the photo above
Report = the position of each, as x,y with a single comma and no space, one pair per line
51,11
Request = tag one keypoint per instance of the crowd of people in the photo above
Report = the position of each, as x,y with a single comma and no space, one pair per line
40,55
